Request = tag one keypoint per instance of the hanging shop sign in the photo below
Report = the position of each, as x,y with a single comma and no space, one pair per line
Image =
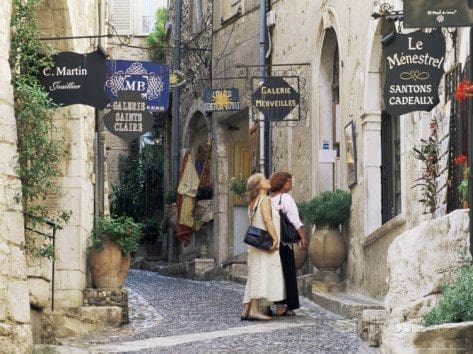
176,78
220,100
149,79
414,67
76,79
128,118
439,13
275,98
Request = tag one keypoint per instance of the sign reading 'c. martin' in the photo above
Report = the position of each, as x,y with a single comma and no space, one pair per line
414,68
76,78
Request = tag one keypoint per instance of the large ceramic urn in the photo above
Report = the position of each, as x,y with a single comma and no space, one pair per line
109,266
327,252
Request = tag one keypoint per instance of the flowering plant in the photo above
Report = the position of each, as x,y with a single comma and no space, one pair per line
238,185
464,90
462,160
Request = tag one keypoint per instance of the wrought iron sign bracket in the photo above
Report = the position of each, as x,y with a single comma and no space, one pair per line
387,12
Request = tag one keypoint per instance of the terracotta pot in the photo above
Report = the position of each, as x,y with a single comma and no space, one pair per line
326,249
465,204
300,256
108,267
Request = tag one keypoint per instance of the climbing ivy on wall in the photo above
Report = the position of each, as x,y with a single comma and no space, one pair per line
157,39
39,153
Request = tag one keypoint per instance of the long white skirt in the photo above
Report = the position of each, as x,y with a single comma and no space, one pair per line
265,277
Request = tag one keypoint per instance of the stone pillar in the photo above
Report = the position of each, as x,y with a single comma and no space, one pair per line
221,178
77,195
371,126
15,329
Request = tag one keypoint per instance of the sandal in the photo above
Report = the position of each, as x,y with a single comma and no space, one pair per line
283,313
258,317
245,312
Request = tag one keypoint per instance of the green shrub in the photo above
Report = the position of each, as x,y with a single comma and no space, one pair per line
456,302
329,209
122,230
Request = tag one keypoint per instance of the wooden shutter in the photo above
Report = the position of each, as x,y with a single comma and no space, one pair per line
122,16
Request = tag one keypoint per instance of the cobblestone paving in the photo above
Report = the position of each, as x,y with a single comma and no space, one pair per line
170,315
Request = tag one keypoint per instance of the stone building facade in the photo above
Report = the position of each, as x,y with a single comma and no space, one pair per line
216,40
342,43
15,322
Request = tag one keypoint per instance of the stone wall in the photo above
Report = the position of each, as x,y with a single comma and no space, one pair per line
15,329
420,262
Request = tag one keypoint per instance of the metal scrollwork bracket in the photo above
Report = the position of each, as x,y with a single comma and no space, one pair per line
387,12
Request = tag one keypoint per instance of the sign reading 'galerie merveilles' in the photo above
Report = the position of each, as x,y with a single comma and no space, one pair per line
414,67
129,118
275,98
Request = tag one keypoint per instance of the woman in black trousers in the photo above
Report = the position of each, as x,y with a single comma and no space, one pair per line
281,184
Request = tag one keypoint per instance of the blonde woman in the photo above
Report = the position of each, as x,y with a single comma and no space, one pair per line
265,276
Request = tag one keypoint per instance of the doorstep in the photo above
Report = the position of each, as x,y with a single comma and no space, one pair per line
345,304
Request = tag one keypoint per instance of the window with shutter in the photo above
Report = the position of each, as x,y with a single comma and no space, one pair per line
122,16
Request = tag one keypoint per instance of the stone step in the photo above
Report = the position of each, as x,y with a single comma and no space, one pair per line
345,304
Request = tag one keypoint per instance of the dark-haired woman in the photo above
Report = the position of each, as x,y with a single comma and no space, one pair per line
281,185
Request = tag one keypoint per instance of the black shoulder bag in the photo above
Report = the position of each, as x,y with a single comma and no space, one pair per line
257,237
288,231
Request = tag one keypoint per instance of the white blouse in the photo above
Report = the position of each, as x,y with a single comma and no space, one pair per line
288,207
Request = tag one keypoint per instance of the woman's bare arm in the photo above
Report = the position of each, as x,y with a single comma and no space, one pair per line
266,212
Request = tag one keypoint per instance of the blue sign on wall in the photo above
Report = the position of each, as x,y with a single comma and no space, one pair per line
149,79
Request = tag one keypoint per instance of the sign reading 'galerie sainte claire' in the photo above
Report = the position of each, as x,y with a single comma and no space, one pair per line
414,67
129,118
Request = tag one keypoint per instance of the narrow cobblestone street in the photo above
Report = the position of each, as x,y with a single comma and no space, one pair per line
170,315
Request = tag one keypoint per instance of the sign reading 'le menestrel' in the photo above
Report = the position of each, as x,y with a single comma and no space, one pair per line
76,79
149,79
129,119
438,13
414,67
275,98
220,100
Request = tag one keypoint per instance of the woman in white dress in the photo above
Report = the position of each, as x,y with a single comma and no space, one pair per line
265,276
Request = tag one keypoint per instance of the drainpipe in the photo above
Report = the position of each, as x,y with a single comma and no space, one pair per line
264,125
99,153
176,97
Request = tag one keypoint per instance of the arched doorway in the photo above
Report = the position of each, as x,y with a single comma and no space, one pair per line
329,114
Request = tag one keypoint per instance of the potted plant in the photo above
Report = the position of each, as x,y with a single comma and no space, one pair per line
326,213
111,242
238,188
